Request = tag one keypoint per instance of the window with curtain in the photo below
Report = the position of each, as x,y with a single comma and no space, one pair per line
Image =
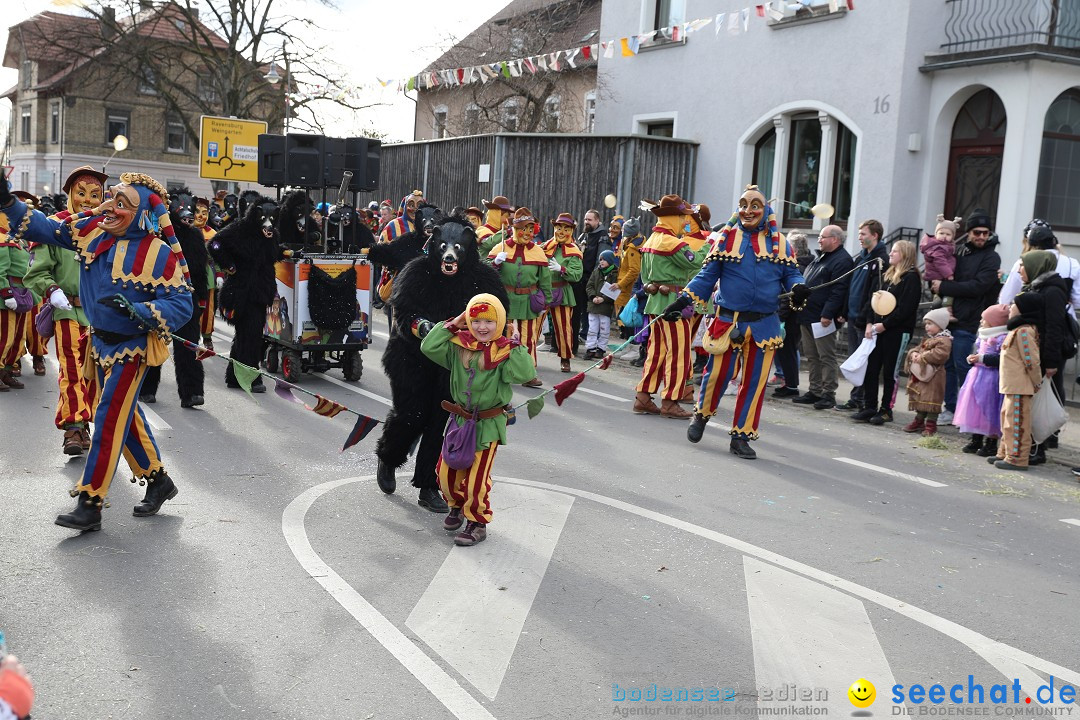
803,169
843,173
1059,165
764,157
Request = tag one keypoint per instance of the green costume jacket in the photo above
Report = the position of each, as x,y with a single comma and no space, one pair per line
54,266
485,245
525,271
495,368
666,260
568,255
14,261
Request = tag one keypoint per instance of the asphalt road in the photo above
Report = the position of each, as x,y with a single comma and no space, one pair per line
282,583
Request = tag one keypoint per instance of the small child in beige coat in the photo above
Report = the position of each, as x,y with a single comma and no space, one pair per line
1020,376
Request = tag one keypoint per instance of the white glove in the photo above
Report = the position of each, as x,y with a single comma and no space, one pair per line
10,303
219,282
554,266
59,300
499,259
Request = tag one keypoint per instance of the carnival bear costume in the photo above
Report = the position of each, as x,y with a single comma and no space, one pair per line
430,288
246,251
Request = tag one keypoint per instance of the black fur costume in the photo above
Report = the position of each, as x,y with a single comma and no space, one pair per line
246,251
189,370
296,229
397,253
423,292
347,232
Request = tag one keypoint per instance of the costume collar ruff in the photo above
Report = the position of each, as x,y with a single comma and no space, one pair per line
493,353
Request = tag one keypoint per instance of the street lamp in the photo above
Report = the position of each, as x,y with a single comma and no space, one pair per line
120,143
274,77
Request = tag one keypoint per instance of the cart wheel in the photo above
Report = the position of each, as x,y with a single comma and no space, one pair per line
273,359
291,365
353,365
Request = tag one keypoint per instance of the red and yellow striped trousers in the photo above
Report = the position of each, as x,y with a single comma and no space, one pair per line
755,364
12,337
667,358
206,321
530,332
563,330
35,344
469,489
78,395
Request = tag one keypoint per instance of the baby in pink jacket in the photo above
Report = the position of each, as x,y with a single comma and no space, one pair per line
939,256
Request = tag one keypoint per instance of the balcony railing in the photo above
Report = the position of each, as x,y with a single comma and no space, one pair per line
994,25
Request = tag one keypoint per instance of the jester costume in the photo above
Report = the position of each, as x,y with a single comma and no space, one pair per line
753,264
135,290
667,262
491,233
57,269
481,378
565,263
403,224
14,261
523,266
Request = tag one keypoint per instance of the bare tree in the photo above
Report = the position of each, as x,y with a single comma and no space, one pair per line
208,58
529,31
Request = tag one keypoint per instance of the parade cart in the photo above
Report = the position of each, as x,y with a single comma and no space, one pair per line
320,318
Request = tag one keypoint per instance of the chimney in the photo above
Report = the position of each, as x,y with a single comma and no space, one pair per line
108,23
146,5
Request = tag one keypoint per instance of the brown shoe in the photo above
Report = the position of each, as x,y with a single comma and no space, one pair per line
671,409
474,532
84,437
565,365
11,380
929,428
16,369
453,520
644,405
39,365
535,382
3,385
73,442
688,395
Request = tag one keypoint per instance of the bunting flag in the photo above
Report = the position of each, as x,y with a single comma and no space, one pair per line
676,33
760,10
553,60
720,22
606,362
530,65
609,49
627,51
587,52
245,375
733,23
284,391
541,62
745,19
363,426
570,55
324,407
566,388
505,69
535,405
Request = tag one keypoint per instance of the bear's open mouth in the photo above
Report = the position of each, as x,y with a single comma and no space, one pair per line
449,268
268,232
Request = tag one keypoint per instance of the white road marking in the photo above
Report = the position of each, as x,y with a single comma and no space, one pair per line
810,634
1071,521
894,473
590,391
154,419
463,705
473,611
448,691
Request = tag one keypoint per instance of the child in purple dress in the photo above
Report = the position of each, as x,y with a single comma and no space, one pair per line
978,407
939,255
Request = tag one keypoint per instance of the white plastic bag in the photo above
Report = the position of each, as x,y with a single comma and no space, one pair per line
1047,414
854,368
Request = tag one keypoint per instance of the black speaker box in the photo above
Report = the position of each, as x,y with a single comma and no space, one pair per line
361,155
272,160
304,166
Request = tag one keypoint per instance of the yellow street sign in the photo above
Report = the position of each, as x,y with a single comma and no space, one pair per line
229,148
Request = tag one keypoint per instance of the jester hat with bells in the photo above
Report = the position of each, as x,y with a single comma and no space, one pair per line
766,240
152,218
486,307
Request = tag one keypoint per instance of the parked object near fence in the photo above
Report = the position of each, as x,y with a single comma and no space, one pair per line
552,173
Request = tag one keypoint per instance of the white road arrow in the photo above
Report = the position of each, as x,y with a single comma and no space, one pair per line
473,612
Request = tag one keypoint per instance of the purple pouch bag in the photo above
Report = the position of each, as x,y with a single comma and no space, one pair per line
24,299
459,444
537,302
44,321
556,297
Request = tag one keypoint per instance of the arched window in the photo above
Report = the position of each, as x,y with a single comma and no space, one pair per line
551,114
978,145
764,157
1059,166
441,114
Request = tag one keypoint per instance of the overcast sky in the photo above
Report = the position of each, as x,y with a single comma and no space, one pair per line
367,39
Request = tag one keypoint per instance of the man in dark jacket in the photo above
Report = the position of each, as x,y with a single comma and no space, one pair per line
593,241
824,306
870,234
974,288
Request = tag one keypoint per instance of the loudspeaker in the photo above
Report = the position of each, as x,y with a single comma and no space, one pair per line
304,165
272,160
361,155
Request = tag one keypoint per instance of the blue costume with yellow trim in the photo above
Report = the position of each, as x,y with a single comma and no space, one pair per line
150,274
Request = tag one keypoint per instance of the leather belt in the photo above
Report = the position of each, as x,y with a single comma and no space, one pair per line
75,301
112,338
462,412
521,291
559,283
744,315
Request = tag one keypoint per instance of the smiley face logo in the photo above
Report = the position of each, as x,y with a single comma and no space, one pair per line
862,693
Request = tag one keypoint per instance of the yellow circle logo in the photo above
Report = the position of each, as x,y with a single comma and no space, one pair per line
862,693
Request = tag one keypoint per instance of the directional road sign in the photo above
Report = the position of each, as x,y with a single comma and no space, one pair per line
229,148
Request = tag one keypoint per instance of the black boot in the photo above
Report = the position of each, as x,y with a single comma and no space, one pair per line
741,446
385,477
1038,454
696,428
85,517
974,444
159,488
432,499
989,448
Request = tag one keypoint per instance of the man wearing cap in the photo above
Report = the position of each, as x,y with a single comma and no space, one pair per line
215,278
564,262
492,232
666,261
136,291
523,266
54,276
750,265
974,288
